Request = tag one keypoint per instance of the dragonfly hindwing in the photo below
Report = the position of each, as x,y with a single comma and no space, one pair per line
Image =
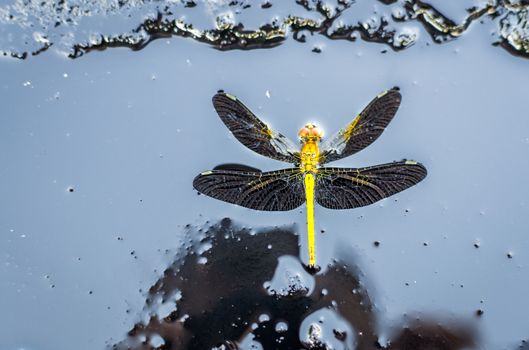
279,190
345,188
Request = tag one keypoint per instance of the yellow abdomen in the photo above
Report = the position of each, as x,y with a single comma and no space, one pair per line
309,195
310,155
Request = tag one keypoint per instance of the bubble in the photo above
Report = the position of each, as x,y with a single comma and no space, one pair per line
157,342
264,318
281,327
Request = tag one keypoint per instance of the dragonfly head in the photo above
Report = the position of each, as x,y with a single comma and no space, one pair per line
310,132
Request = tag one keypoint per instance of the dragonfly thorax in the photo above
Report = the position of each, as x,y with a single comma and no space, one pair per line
310,156
310,135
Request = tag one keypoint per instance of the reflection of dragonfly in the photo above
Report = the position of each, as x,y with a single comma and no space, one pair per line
287,189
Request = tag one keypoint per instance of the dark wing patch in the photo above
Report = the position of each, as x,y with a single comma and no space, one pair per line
279,190
364,129
237,166
252,132
345,188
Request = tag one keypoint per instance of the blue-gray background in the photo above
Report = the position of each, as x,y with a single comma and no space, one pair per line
128,131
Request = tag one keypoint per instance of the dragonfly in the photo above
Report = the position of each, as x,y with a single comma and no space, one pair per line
308,181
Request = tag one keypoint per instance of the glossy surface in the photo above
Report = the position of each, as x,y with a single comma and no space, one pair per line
98,155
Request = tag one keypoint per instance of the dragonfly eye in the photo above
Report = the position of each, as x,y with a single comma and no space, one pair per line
317,132
310,131
305,132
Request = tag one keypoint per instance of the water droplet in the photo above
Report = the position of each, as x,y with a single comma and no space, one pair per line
40,38
339,334
314,334
281,327
264,318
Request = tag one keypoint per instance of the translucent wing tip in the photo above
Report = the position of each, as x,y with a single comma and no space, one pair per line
394,91
217,96
419,167
221,93
197,180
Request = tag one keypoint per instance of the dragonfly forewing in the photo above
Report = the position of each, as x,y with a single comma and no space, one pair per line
252,132
364,129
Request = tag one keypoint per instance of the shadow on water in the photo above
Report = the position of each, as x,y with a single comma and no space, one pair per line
237,289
